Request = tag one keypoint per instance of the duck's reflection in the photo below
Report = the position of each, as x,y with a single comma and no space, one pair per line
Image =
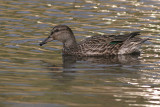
70,63
73,65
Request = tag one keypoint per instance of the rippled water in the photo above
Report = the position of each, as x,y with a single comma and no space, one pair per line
36,76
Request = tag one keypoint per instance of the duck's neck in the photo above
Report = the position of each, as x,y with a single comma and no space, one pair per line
70,43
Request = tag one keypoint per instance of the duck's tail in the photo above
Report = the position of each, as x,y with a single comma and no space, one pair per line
132,44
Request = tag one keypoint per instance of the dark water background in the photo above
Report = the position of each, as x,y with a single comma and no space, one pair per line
34,76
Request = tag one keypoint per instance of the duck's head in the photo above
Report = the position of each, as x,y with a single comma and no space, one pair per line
61,33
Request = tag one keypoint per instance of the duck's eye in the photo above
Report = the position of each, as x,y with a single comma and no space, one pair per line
56,30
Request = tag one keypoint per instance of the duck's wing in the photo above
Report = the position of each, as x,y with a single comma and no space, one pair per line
106,44
110,39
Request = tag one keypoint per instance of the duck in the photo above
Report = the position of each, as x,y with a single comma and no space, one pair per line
98,45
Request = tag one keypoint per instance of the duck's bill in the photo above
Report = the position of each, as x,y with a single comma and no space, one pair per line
46,40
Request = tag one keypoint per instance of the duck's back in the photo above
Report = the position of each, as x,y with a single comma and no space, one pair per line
102,45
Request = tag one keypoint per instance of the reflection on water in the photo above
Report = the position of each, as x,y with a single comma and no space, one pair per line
69,62
39,76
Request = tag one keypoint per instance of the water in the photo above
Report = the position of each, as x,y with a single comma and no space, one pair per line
34,76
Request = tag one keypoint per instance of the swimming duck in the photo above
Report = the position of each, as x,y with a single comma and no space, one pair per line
99,45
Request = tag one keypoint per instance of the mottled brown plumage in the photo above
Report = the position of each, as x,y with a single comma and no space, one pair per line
100,45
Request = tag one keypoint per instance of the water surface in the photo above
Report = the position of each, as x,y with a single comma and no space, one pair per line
36,76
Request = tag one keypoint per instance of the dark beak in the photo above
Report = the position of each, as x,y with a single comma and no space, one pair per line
46,40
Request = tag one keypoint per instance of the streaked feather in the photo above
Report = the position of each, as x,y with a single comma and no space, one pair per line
102,45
